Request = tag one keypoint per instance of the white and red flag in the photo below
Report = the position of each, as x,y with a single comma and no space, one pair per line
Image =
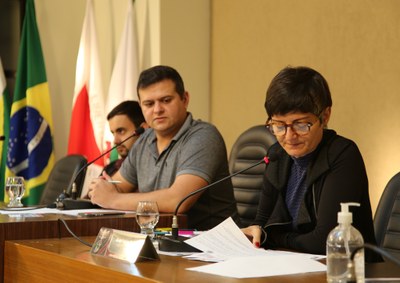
88,117
125,73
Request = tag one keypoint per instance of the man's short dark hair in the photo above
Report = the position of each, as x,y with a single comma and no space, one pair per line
129,108
159,73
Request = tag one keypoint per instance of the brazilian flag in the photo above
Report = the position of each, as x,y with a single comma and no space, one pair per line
30,145
4,127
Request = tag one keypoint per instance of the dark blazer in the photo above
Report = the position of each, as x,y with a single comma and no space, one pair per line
336,174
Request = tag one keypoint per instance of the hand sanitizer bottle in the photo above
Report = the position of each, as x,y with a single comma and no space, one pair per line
341,242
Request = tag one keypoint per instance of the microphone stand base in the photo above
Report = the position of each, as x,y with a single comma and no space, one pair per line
68,204
168,244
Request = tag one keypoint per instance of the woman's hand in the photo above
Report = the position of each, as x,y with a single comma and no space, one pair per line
253,232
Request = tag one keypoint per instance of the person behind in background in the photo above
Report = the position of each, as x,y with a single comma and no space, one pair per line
174,157
123,120
313,172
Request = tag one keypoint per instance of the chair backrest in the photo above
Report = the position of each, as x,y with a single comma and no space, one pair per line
387,218
250,147
62,176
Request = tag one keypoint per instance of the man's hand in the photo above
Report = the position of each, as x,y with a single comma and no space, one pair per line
102,192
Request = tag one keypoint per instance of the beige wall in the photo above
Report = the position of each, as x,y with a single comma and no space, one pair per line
185,45
354,44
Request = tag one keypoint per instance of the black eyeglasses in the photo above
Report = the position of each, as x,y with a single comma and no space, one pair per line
280,128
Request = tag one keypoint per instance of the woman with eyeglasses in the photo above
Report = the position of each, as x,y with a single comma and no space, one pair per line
314,170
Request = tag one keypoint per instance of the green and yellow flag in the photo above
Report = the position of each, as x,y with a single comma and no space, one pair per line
30,146
4,127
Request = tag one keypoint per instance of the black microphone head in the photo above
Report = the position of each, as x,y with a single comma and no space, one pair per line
2,138
139,131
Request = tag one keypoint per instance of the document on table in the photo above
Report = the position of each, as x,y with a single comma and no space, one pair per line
240,259
225,241
35,212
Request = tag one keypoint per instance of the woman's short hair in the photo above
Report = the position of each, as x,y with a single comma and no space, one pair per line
297,89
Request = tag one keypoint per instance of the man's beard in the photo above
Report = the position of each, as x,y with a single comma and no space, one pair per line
122,151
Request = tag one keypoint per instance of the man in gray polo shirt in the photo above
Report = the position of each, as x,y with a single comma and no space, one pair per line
173,158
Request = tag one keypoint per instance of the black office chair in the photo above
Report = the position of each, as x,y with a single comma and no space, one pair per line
62,176
250,147
387,218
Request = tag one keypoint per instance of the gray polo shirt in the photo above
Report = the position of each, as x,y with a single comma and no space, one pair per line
198,149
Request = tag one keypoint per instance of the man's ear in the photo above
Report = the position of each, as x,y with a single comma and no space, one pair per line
185,99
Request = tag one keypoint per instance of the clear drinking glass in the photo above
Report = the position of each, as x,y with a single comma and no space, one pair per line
15,189
147,216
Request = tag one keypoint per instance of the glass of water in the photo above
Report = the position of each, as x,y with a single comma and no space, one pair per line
15,189
147,216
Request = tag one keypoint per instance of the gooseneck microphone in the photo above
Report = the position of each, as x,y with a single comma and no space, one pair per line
175,244
65,202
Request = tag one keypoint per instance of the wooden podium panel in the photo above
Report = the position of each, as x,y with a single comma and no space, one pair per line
49,226
67,260
27,264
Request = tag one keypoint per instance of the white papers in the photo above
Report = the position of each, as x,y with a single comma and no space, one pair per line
227,243
26,212
262,266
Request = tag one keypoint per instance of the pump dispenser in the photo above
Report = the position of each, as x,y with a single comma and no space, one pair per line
340,244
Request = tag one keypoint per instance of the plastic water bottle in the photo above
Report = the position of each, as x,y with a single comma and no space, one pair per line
340,243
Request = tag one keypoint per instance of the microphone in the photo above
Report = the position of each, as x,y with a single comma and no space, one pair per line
175,243
65,202
2,138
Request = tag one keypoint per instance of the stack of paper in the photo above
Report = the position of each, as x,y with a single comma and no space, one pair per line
237,257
